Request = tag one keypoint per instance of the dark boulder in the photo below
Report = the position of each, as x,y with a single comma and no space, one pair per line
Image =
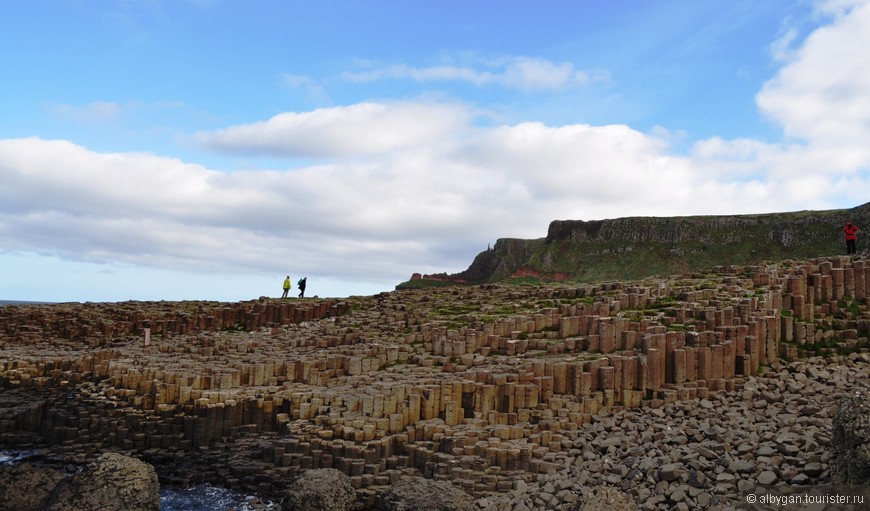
113,482
325,489
27,486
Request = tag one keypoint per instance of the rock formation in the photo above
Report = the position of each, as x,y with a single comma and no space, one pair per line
112,482
605,498
420,494
850,442
686,391
324,489
27,486
640,247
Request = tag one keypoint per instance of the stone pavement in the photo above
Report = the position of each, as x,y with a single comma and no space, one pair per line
493,388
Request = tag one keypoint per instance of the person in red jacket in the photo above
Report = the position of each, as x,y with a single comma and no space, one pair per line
851,232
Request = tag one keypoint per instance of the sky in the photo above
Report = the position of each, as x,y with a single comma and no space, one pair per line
206,149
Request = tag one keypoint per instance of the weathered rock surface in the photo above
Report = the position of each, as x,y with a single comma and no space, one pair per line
323,489
27,486
850,441
420,494
605,498
687,456
113,482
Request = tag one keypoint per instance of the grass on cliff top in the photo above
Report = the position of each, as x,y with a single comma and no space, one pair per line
598,262
424,284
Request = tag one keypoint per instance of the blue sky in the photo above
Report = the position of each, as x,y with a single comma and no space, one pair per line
204,149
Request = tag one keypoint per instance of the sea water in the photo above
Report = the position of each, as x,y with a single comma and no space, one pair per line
202,497
208,498
12,457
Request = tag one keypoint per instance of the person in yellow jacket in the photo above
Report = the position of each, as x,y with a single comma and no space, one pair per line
287,286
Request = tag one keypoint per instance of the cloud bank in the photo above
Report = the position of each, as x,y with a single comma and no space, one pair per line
398,187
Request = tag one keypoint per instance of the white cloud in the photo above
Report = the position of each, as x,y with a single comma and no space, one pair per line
782,49
427,205
524,73
530,74
411,186
423,74
95,112
314,91
821,96
356,130
838,8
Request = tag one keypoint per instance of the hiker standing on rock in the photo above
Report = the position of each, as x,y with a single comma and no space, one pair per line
851,232
287,286
302,283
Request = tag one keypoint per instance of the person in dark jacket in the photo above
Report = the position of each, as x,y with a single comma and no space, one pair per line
302,283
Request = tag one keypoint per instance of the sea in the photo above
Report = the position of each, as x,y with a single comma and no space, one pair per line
197,498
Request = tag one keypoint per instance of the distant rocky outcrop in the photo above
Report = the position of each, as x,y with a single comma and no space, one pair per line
639,247
111,483
850,441
104,323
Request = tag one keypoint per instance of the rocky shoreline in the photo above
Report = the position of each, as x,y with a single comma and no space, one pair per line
690,392
771,437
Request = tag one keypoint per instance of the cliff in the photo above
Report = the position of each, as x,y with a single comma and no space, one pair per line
638,247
